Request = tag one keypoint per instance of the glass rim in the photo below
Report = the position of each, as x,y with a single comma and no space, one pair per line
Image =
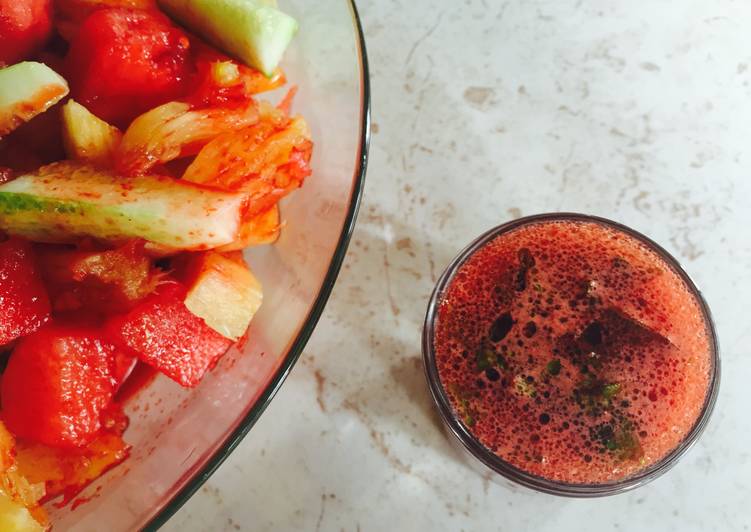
505,469
203,473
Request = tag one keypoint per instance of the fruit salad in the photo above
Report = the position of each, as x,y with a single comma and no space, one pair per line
137,161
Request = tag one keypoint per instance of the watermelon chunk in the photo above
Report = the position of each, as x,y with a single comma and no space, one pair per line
123,62
163,333
24,305
25,25
57,383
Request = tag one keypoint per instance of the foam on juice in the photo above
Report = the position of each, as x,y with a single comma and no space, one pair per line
573,351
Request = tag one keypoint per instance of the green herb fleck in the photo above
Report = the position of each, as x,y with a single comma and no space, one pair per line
625,443
467,416
466,412
485,358
553,367
523,387
609,390
593,394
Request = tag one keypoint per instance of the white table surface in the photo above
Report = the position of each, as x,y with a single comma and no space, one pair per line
482,112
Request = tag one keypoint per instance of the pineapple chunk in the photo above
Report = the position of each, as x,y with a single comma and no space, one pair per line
66,472
87,137
19,498
223,292
15,517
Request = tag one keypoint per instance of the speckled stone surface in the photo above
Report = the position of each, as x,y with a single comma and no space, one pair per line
482,112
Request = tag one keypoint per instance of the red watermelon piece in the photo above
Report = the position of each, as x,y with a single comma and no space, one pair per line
24,305
57,383
163,333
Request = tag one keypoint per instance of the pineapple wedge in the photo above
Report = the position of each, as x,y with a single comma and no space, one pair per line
87,137
223,292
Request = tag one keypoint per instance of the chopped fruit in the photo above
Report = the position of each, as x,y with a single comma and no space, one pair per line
65,201
87,137
19,496
137,162
67,471
70,14
177,129
162,332
26,90
222,80
251,30
263,228
57,383
267,161
15,517
103,281
25,25
223,292
123,368
24,305
123,62
225,73
7,448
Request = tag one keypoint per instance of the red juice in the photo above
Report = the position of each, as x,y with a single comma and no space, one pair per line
573,351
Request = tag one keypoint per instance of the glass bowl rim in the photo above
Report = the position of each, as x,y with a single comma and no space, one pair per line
499,466
293,354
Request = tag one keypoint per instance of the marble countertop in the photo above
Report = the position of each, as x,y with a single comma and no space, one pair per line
483,112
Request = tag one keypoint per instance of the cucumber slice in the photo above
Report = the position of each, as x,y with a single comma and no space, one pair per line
254,31
26,90
66,201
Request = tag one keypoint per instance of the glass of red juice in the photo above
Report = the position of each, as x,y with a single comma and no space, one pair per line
571,354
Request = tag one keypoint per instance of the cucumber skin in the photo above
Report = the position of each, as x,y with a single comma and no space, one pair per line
26,90
157,209
251,30
59,221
